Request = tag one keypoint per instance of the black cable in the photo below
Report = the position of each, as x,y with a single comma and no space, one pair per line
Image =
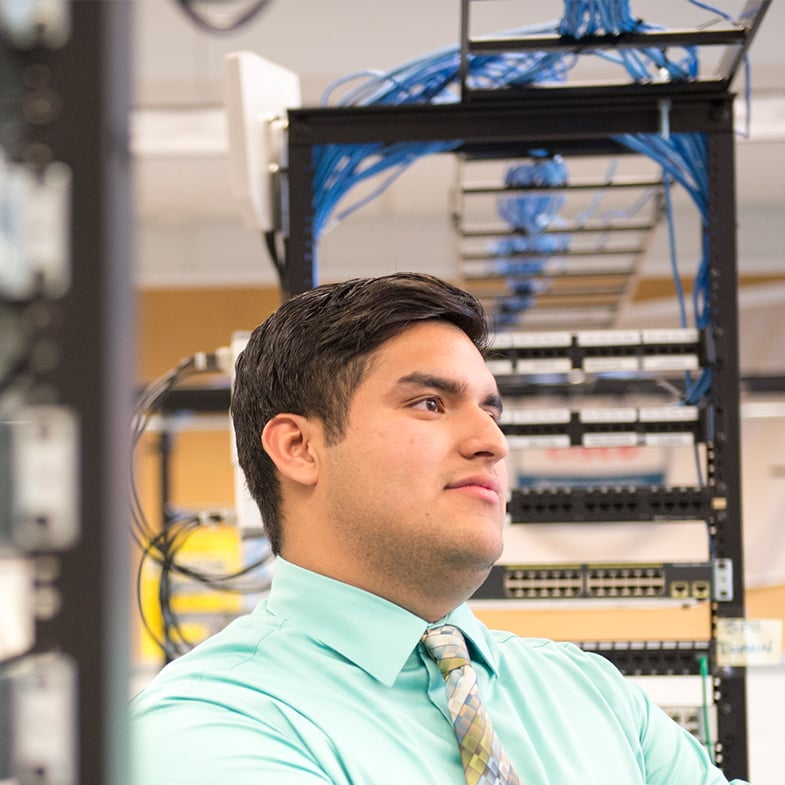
20,339
164,546
242,18
171,623
17,370
167,544
170,543
162,549
152,545
145,623
150,402
275,256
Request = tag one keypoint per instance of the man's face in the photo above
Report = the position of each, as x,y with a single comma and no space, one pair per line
415,491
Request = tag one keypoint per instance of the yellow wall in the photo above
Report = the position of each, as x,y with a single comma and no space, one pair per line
174,324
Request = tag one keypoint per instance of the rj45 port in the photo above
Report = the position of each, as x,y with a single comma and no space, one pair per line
701,590
680,590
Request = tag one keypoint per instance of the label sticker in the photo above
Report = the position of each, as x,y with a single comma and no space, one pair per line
749,642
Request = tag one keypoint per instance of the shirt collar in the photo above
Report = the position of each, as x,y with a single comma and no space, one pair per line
368,630
475,633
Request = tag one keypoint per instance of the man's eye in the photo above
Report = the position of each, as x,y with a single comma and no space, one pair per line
430,404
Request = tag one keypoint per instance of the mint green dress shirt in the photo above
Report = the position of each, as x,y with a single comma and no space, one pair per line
325,683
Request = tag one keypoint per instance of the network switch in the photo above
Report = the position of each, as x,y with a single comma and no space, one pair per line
690,581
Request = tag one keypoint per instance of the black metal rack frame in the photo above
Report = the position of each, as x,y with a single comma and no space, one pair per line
96,375
734,39
85,86
572,121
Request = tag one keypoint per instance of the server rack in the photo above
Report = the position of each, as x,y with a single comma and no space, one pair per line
584,120
65,97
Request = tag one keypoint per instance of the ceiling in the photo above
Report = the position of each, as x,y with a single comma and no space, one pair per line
190,229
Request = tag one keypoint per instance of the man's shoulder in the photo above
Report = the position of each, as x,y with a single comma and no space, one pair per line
250,641
536,645
544,652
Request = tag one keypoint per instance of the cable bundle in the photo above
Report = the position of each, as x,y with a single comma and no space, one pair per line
532,212
521,260
339,168
165,546
435,78
584,18
528,214
683,158
431,79
168,550
526,256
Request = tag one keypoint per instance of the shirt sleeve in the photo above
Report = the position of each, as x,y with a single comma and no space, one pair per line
191,744
671,755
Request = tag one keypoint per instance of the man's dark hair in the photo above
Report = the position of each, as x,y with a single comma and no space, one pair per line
310,355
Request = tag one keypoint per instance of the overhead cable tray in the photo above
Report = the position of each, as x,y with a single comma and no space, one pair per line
730,37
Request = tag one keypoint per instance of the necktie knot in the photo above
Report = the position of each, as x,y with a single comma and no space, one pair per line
447,647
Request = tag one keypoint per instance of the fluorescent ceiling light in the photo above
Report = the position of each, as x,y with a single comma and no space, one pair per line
179,133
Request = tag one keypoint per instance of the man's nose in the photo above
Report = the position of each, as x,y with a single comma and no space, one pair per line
485,437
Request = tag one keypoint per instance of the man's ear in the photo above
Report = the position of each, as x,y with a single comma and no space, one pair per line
289,441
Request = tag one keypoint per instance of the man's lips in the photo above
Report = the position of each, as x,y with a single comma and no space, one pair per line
480,482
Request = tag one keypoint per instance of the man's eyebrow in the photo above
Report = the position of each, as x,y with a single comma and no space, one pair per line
446,385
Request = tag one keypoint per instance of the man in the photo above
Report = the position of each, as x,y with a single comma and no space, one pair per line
367,428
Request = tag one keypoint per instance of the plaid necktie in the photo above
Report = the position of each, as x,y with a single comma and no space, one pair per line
484,761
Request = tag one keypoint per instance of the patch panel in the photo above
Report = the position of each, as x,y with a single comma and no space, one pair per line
611,503
649,658
603,427
597,351
688,582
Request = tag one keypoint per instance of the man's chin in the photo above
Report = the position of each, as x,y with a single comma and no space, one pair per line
478,561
